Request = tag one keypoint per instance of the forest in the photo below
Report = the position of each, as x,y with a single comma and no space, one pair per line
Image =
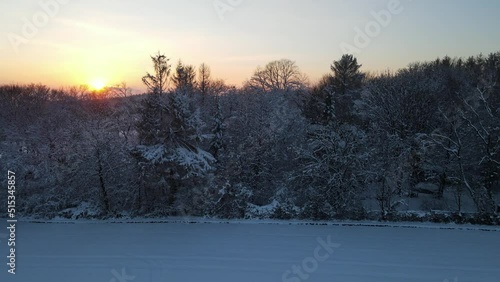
420,143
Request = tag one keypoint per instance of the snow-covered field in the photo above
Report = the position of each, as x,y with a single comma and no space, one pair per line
239,252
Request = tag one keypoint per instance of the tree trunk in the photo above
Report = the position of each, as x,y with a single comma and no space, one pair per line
100,173
442,185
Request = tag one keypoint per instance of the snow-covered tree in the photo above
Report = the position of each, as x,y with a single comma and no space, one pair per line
171,131
330,177
345,83
472,144
217,144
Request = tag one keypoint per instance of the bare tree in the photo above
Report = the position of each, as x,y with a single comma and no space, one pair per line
124,112
283,75
472,143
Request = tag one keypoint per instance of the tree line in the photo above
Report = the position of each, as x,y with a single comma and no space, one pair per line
351,145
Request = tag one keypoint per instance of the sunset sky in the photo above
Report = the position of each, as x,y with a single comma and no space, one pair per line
72,42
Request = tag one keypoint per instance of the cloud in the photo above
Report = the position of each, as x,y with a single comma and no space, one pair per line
253,58
92,28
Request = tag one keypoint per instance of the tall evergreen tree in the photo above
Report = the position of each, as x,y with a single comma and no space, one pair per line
346,80
346,74
204,79
170,132
157,82
184,78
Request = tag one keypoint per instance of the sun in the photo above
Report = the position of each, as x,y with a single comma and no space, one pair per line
98,84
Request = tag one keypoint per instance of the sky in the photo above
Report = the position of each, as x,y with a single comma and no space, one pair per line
74,42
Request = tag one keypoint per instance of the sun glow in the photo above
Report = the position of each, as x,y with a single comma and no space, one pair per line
98,84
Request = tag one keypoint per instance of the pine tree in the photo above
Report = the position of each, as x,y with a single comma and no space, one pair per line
157,82
347,79
184,78
346,74
171,132
204,80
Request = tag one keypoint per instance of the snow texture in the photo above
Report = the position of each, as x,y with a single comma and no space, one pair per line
147,252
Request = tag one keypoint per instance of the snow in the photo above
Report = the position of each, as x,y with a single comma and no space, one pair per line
262,211
261,251
197,161
84,209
